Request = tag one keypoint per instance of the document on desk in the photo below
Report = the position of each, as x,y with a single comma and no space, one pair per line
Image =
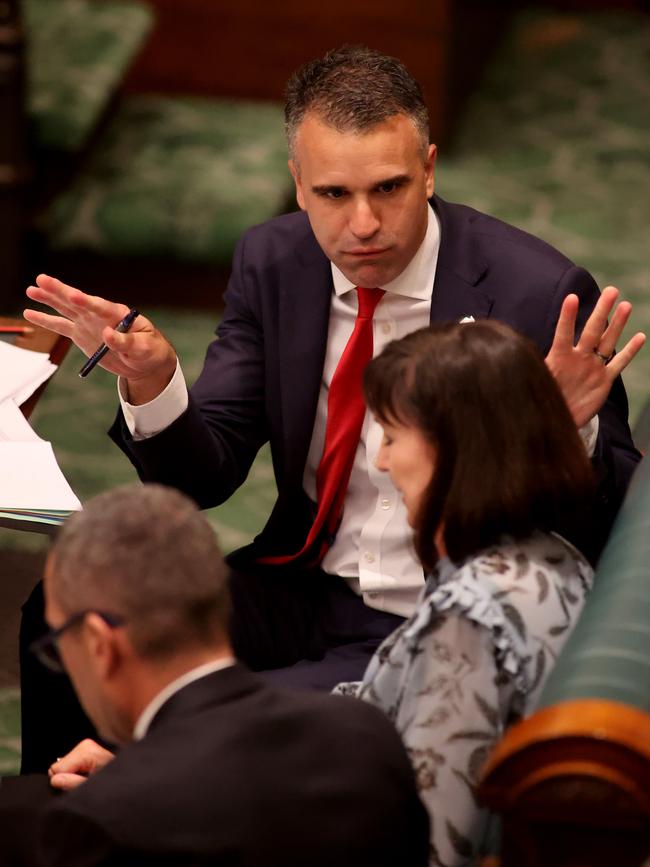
22,371
34,493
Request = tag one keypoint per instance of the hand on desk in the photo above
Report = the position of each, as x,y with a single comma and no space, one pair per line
80,763
143,356
585,372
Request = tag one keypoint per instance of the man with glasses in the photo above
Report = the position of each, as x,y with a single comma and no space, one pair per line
215,766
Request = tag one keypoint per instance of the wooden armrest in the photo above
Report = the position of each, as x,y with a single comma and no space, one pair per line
39,340
572,785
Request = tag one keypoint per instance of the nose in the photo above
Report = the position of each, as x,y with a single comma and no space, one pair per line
364,223
381,460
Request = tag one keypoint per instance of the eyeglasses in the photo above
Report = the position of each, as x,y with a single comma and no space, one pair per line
46,649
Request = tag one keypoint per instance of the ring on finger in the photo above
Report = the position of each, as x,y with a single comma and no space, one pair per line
604,358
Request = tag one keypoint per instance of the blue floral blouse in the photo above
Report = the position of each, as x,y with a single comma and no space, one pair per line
471,661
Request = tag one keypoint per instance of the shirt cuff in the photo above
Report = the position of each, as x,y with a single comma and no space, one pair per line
589,435
151,418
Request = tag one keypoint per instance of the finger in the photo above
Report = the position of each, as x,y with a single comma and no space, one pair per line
623,358
615,328
67,782
67,299
597,322
109,311
82,758
566,324
61,305
73,302
58,324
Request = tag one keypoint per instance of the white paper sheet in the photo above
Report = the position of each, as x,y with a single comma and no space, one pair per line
30,478
22,371
14,427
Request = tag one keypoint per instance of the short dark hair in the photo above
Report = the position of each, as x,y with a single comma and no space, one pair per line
145,553
354,88
509,459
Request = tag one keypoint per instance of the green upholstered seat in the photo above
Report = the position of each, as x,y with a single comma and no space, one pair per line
78,52
176,177
608,654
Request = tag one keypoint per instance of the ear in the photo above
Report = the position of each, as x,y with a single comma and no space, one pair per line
295,174
103,646
429,169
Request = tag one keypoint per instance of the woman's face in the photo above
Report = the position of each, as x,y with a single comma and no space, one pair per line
410,460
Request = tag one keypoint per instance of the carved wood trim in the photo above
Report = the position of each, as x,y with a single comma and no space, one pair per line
569,760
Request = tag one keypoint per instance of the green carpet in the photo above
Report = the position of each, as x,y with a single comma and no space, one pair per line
556,140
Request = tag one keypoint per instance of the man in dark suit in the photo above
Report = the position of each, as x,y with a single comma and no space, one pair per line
325,581
217,767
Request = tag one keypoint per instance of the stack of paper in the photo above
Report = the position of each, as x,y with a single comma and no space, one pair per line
22,371
33,490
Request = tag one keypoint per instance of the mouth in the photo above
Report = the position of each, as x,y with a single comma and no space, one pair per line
367,252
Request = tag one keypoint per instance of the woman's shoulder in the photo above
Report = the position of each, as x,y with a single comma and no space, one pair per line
526,594
522,561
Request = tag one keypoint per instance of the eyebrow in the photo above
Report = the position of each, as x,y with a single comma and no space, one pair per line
319,189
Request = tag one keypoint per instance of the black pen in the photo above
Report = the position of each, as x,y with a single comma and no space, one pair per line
101,351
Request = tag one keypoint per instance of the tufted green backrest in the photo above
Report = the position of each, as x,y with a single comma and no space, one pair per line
78,52
608,654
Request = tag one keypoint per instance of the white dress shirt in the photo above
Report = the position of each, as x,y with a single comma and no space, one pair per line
373,548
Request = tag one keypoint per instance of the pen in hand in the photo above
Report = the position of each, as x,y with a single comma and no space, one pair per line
101,351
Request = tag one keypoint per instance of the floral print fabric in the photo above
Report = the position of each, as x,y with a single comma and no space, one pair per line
470,661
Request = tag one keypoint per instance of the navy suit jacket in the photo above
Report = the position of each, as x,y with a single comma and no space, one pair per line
262,375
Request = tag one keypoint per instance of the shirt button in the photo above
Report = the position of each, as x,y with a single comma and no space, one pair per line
369,557
385,504
386,327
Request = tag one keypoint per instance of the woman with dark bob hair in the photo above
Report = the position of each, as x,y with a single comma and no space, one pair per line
488,460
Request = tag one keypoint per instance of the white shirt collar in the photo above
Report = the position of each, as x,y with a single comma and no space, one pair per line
415,281
144,720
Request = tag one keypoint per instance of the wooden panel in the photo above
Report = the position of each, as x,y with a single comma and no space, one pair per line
14,172
249,48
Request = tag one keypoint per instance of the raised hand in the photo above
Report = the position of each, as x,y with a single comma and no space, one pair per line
80,763
585,371
143,356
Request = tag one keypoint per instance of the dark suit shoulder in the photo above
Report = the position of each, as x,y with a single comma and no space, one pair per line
496,238
279,236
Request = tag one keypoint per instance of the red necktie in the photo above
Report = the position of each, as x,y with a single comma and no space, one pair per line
345,413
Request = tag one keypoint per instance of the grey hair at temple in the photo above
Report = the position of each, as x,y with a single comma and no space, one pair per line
146,554
354,88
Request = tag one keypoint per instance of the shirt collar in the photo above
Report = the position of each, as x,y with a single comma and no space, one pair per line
416,280
146,717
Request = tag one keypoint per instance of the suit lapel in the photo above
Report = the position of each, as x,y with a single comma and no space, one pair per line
461,269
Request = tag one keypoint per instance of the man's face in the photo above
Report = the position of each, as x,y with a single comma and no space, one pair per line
78,651
365,194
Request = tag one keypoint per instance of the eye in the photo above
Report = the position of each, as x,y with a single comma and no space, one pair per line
386,440
334,193
389,187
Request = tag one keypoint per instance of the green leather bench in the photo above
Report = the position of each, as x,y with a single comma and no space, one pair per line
572,782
